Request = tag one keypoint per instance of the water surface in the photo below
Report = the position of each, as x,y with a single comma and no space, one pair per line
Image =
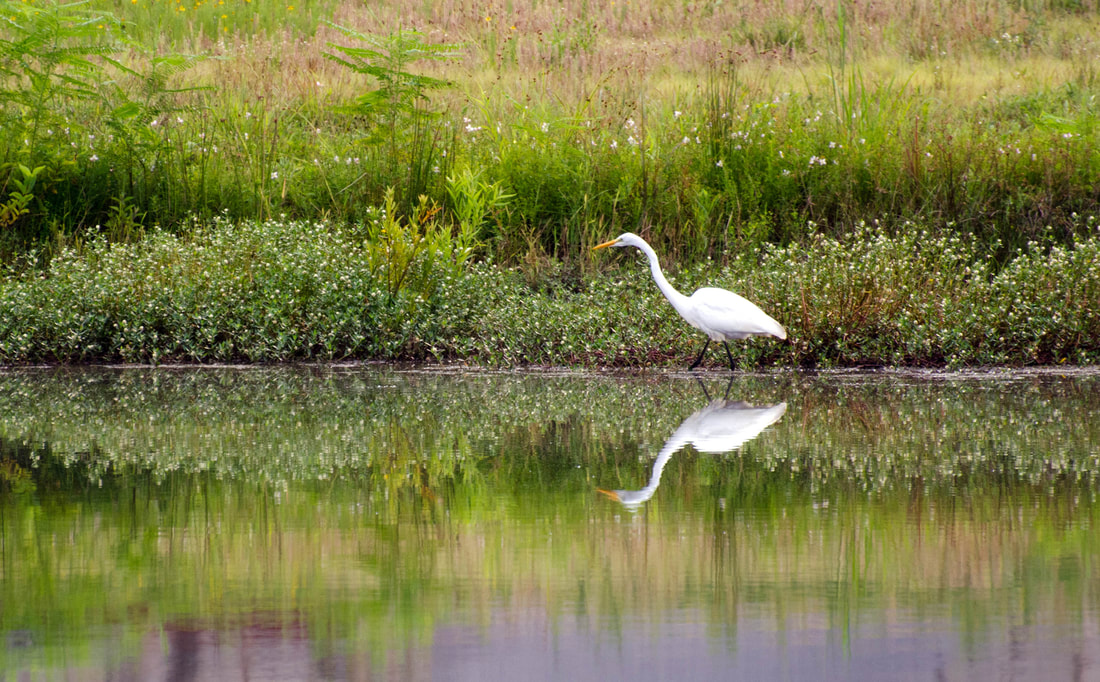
371,523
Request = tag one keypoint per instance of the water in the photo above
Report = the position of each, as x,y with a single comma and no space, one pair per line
369,523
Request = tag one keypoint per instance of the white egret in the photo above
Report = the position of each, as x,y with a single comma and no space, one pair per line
718,428
721,315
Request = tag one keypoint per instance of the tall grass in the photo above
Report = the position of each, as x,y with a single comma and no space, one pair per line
717,127
205,22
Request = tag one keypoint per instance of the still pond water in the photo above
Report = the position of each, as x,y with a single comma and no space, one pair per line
373,523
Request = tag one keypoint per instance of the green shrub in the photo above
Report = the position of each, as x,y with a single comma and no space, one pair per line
402,288
258,292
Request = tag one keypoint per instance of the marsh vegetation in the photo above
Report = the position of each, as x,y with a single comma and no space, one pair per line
764,146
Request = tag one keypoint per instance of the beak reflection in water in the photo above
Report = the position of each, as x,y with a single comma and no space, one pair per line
720,427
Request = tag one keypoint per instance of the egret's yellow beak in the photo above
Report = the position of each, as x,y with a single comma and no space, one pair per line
613,242
610,493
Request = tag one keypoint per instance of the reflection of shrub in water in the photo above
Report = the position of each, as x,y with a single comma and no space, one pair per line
14,478
28,468
389,431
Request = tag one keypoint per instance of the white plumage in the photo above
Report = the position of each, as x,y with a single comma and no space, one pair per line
718,428
721,315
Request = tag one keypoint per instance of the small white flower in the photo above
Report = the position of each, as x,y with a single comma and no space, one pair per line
93,158
545,127
614,144
718,163
686,140
677,114
274,175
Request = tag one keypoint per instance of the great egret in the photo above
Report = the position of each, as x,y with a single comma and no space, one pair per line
719,427
721,315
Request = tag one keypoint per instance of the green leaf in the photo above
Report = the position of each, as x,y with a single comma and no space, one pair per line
127,111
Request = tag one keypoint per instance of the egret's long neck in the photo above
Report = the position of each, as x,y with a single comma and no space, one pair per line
674,444
674,297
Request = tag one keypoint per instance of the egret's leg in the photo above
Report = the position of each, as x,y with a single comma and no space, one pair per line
700,358
704,386
729,355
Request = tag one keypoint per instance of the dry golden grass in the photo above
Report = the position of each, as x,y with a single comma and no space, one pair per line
564,54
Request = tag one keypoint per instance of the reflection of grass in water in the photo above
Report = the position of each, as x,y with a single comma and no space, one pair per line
209,496
199,550
420,430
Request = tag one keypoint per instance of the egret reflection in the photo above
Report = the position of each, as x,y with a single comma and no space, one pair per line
720,427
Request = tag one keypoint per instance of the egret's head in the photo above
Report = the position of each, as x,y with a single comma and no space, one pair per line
624,239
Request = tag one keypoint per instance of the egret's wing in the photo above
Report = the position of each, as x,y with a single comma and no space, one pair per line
724,315
724,426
